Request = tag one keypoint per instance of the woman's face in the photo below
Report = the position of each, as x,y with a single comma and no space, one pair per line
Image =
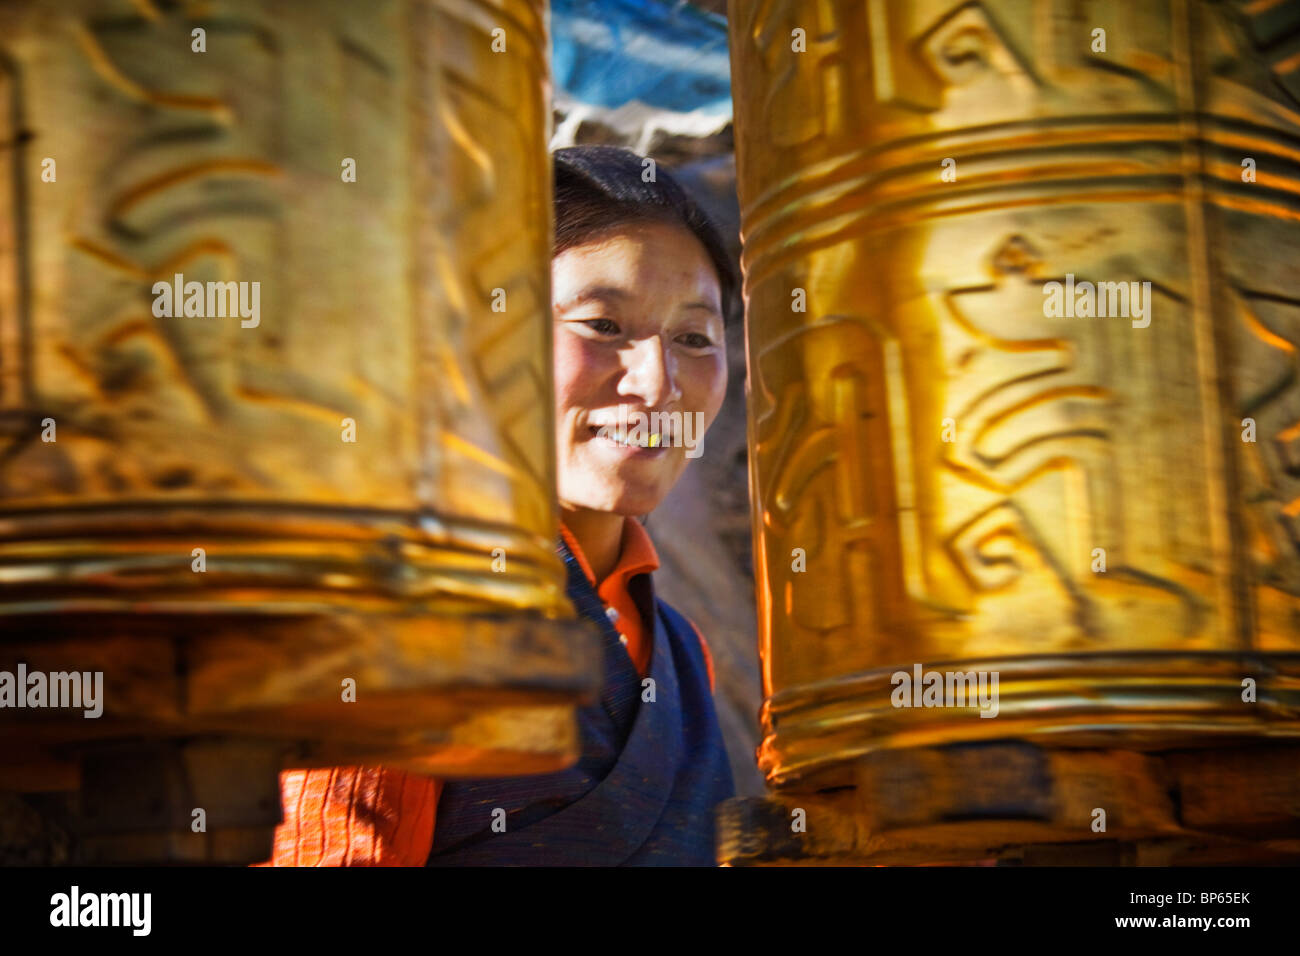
638,337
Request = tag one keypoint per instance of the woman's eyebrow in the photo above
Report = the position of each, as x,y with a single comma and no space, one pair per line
706,306
605,294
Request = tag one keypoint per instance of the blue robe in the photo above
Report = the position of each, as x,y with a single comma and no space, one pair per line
650,775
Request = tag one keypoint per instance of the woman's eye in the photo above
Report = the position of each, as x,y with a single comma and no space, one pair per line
603,326
696,340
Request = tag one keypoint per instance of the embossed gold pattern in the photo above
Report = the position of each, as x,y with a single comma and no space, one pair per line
924,309
325,558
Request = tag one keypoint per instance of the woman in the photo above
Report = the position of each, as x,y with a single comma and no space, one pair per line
641,284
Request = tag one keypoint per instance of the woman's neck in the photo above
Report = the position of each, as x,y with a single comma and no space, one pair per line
599,534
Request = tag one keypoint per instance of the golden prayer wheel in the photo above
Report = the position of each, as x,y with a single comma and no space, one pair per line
1023,301
275,405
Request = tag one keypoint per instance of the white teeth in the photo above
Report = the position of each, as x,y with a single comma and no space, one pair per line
620,437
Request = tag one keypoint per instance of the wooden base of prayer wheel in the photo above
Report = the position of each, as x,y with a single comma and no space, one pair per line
1013,803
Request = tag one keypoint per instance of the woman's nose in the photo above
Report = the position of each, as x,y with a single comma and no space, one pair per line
651,374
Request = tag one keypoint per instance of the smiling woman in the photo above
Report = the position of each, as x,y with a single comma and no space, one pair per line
638,333
641,283
640,286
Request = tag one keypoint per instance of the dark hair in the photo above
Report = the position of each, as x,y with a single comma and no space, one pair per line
599,188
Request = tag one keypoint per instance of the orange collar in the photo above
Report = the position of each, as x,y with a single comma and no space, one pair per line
637,556
635,624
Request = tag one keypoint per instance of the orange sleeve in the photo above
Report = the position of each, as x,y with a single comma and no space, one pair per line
708,656
355,816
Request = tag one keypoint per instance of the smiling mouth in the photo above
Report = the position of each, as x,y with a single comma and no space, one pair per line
648,441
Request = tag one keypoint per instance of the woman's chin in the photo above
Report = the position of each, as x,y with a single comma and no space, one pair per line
632,486
630,502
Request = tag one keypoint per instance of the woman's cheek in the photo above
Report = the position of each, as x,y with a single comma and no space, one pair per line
563,357
713,370
572,372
